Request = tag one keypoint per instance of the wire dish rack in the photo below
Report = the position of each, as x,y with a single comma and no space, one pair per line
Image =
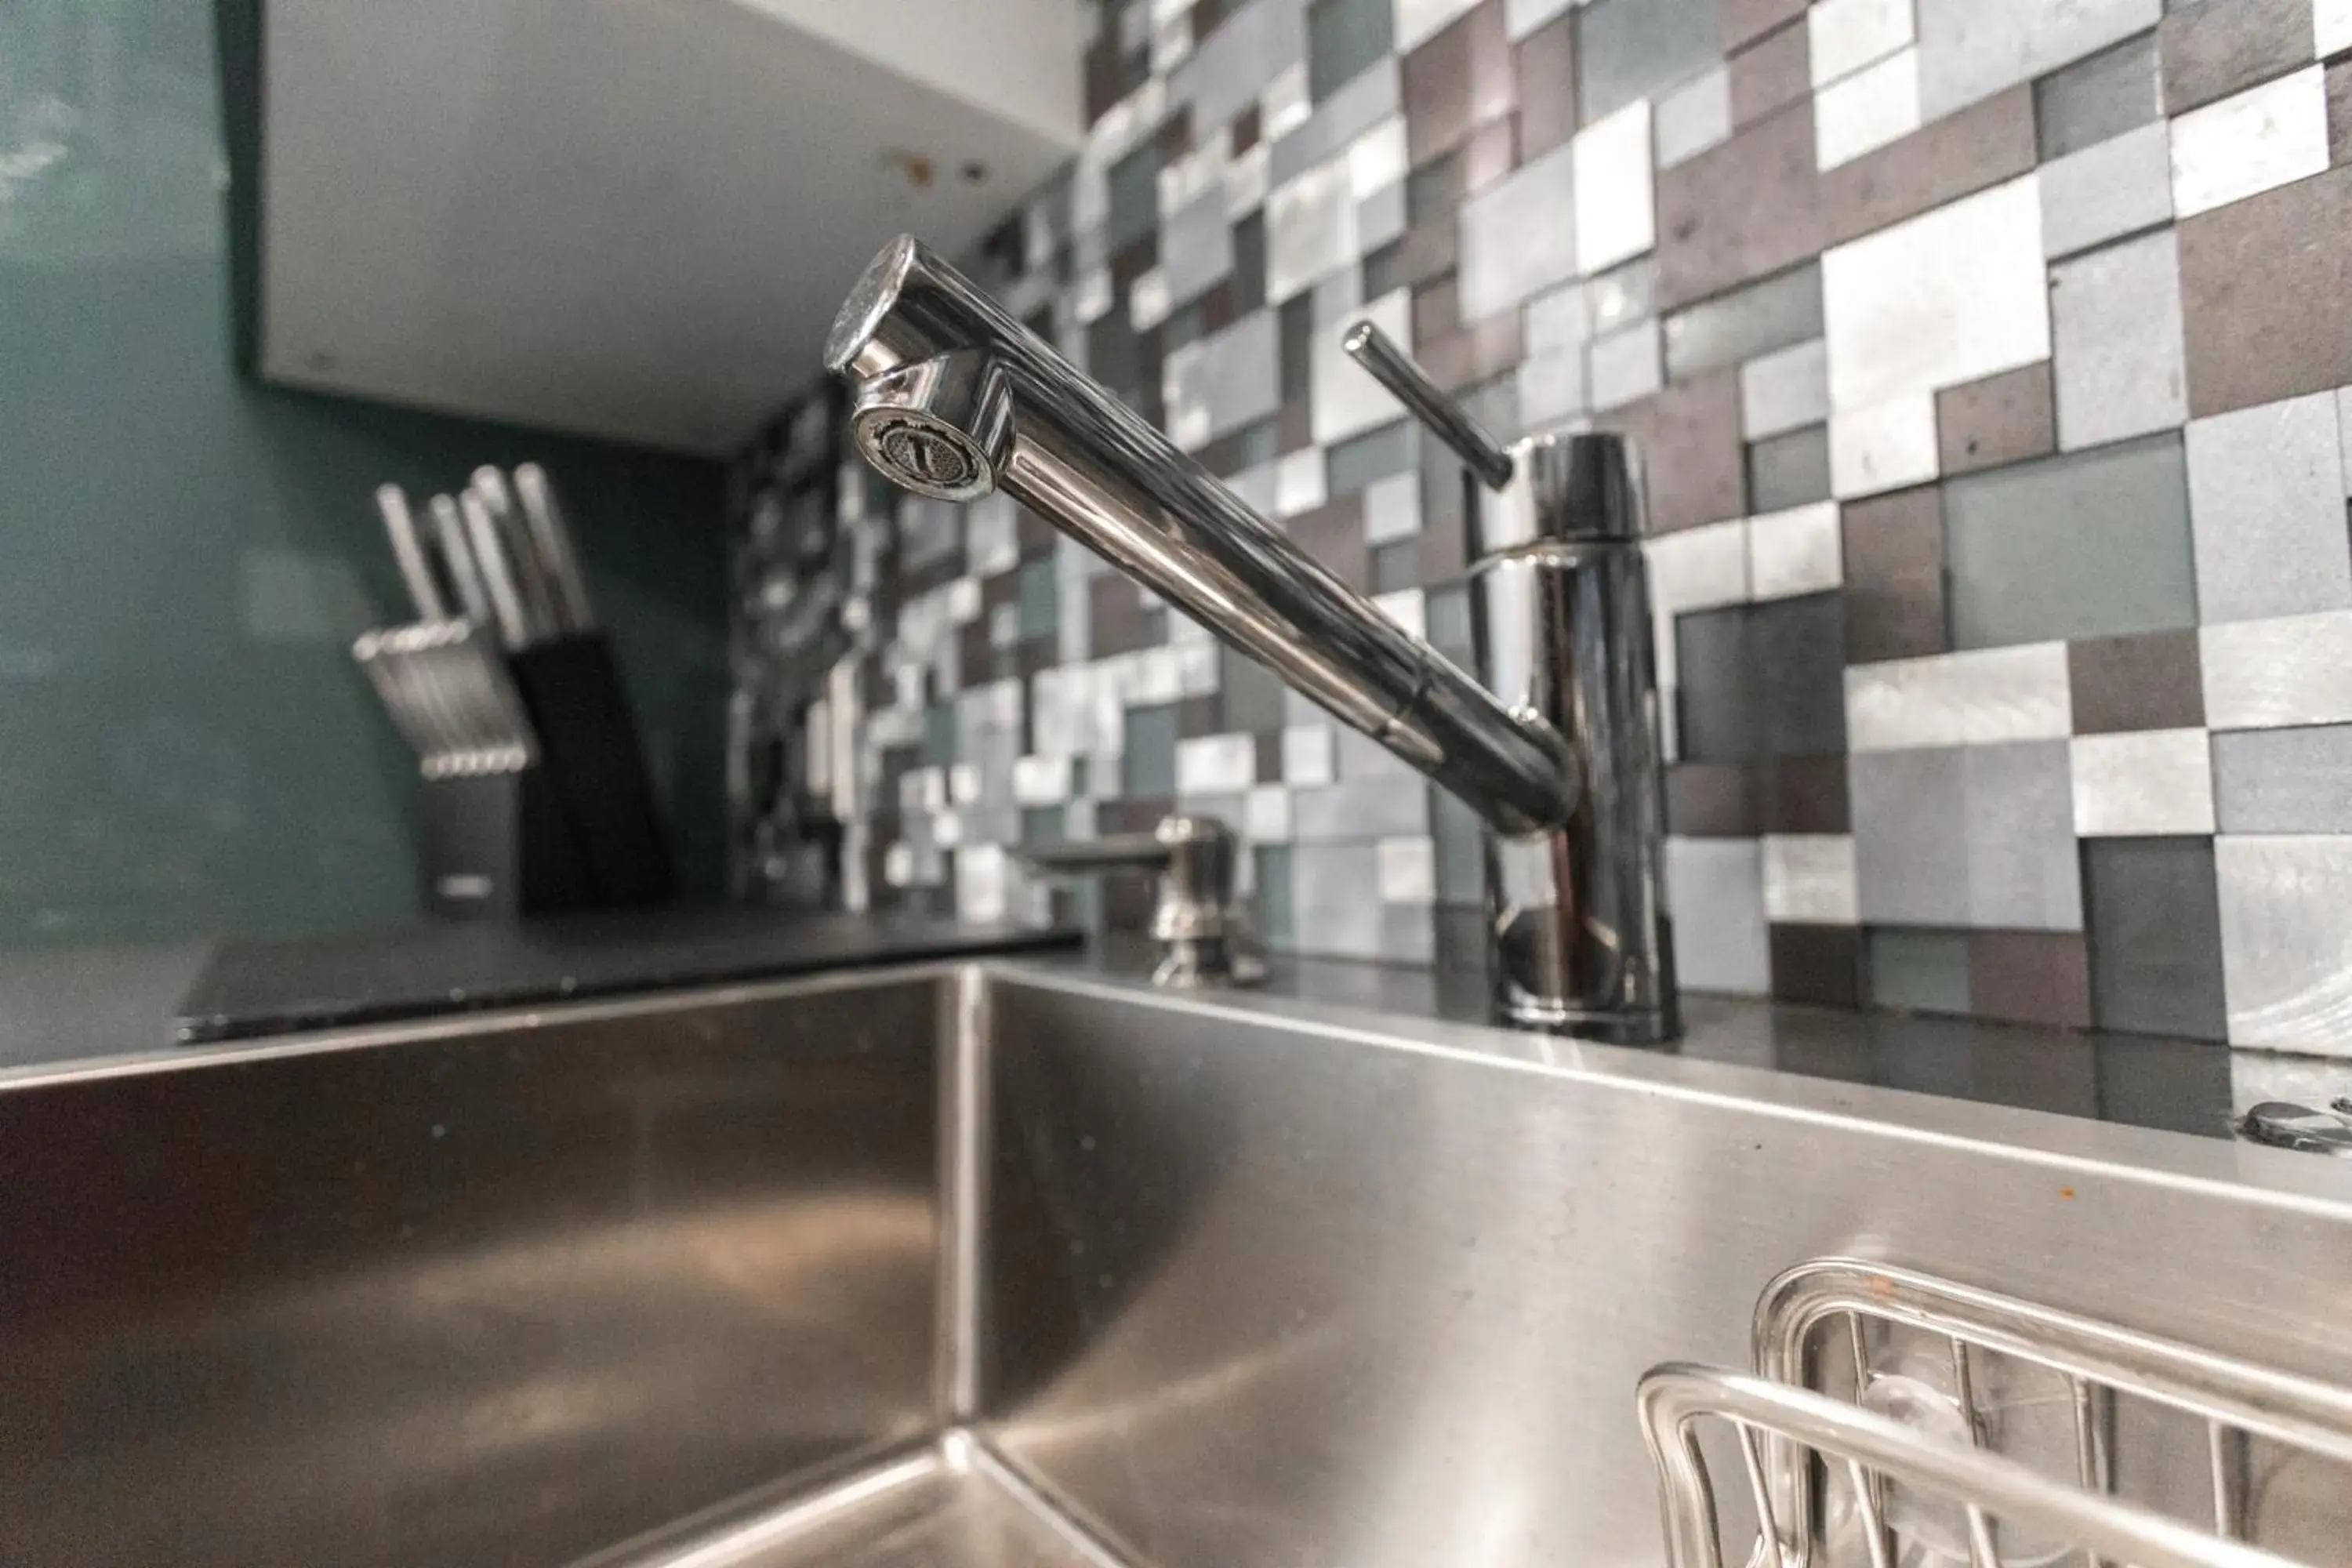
1898,1420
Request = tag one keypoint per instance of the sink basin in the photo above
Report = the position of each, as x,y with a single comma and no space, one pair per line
993,1265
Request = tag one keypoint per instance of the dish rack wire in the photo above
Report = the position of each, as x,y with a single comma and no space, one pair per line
1790,1435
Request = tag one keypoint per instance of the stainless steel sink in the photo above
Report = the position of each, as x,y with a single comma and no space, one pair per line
995,1265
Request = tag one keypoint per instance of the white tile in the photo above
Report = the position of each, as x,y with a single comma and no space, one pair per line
1979,698
1224,381
1946,298
1883,449
1299,481
1197,665
1310,229
2331,28
1265,814
1971,50
1041,780
1148,301
1284,106
1392,508
1785,390
2120,186
2261,138
1693,118
1551,388
1216,764
1519,235
2263,674
1376,160
1866,110
1715,889
1418,19
1091,296
1798,551
1809,879
1521,17
2286,940
1308,755
1557,321
1843,35
1408,608
1408,870
1625,365
1615,214
980,879
1245,179
2344,433
2148,783
2266,510
2114,320
1346,400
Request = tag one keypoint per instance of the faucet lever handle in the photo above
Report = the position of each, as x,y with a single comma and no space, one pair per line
1388,364
1204,930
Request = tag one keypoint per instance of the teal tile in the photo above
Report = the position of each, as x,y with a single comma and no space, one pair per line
1375,455
2089,544
1788,470
1344,38
939,734
1461,844
1923,971
1274,901
1446,616
1150,752
2153,919
1396,566
1134,196
1043,823
1040,603
1249,695
1627,49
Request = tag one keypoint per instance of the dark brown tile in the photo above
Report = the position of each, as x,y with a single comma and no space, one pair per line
1334,535
1737,212
1436,310
1175,135
2216,48
2031,977
1715,800
1427,252
1769,74
1488,153
1036,535
1103,75
2149,680
2266,295
1199,716
1270,755
1817,966
2004,418
1689,435
1471,355
973,652
1246,127
1982,145
1461,79
1746,19
2340,113
1546,85
1895,575
1294,428
1806,794
1115,615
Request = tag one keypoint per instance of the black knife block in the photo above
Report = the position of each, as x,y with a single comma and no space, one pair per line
499,846
596,771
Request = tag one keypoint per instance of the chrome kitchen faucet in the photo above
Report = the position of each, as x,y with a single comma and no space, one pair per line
1557,752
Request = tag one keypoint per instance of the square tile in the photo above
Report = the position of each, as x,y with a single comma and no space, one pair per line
1222,382
1809,879
1359,810
1408,870
2145,784
1624,365
1557,321
1883,446
1714,800
2264,137
2023,868
1785,390
2268,674
1977,698
2152,917
1817,966
1775,313
1628,49
1614,213
1461,78
1794,552
1806,794
2106,190
1844,36
1789,469
2149,681
1867,110
1715,888
2268,314
1761,680
2001,419
2284,780
1919,971
1769,75
1344,38
1335,899
2117,346
1911,863
2217,47
1552,388
2098,99
2286,940
2089,544
2029,977
1693,118
1518,236
1894,576
1545,61
2331,26
2266,492
1310,229
1215,765
1973,48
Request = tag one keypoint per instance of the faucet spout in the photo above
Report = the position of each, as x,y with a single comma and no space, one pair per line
954,399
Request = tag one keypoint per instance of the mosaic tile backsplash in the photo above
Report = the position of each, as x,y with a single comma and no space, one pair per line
1989,362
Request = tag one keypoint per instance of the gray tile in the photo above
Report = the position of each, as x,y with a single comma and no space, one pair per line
2115,321
2095,99
1232,65
1558,322
2286,940
1785,390
1272,901
1363,460
1373,95
2153,918
1921,971
1971,50
1624,365
1715,888
1771,314
2217,47
2023,874
1394,806
1380,218
1996,421
1894,571
2102,192
1461,850
1221,383
1149,752
2266,490
1627,49
1622,296
1761,680
1344,38
2029,977
1770,75
1788,470
1739,211
2268,314
1693,118
1249,695
1698,421
1335,899
2085,545
1911,862
1518,236
1134,197
1196,245
1982,145
2271,674
2284,780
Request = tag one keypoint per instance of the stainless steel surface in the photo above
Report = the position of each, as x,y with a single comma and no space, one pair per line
450,697
1558,752
511,611
1370,347
955,398
541,598
551,538
458,557
993,1265
499,1292
408,552
1204,930
1871,1450
2285,1125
